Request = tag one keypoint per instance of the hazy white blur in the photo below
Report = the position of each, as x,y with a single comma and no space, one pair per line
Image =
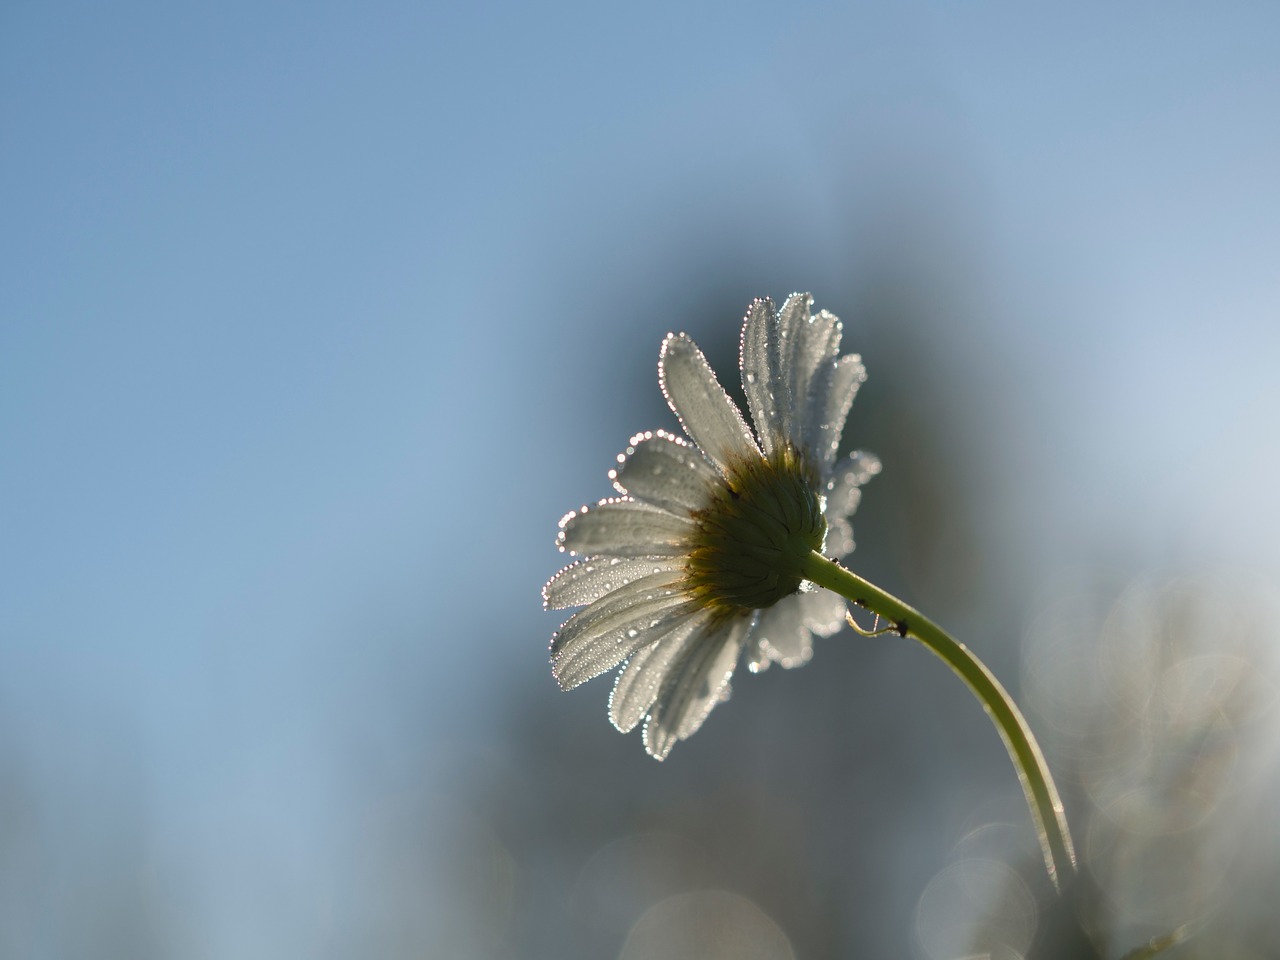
315,319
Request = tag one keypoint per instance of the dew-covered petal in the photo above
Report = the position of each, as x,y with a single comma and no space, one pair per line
839,541
761,367
783,634
757,657
693,687
662,587
610,630
823,611
847,478
808,341
830,396
640,680
825,330
791,319
707,414
666,471
625,528
588,580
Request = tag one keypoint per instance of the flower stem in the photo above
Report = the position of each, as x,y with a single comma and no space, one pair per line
1033,772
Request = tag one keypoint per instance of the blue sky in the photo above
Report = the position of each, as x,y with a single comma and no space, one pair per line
316,318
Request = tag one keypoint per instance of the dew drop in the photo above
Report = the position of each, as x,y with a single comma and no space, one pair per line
632,632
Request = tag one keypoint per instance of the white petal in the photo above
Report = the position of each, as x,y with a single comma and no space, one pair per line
641,679
705,410
761,367
839,541
830,396
794,314
847,478
757,657
625,528
716,668
610,630
693,687
823,611
651,587
844,502
782,633
826,328
809,341
666,471
588,580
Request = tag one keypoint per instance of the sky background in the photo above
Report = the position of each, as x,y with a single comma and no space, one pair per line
315,319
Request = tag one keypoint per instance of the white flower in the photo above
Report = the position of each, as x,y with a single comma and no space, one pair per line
699,557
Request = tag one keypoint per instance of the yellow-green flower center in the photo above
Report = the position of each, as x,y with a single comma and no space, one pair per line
755,534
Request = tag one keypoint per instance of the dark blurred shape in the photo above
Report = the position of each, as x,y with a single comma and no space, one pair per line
822,797
74,876
1065,928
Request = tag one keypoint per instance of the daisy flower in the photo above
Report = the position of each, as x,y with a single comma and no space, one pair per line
720,545
699,560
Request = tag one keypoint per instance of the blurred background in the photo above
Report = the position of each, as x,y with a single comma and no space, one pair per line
316,319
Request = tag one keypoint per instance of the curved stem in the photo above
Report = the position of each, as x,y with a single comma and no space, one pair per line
1033,772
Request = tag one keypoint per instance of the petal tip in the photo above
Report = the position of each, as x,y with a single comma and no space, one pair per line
798,298
649,736
672,340
565,683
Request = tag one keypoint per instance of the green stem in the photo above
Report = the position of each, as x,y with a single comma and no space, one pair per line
1033,772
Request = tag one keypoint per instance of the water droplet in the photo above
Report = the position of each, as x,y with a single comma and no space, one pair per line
632,632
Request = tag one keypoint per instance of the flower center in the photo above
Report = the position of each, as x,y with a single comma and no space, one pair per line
755,534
